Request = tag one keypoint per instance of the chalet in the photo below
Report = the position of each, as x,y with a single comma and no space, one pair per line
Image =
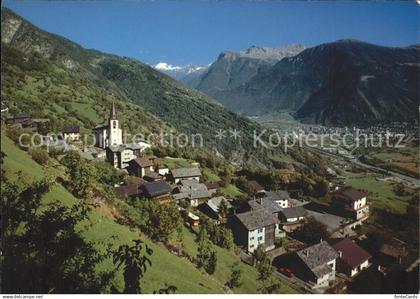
211,207
194,192
262,203
352,259
212,186
159,191
390,254
71,133
254,228
129,191
19,118
258,188
109,133
120,155
151,176
139,166
162,169
291,217
24,120
179,174
315,264
270,206
350,203
281,197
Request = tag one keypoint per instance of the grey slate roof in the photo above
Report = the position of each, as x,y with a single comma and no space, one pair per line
256,219
193,190
122,147
186,172
317,256
214,203
143,162
277,195
294,212
71,129
101,126
18,115
156,188
264,203
197,194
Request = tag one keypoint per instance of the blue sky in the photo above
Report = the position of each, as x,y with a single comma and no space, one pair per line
182,32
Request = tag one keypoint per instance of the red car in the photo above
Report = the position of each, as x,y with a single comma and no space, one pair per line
288,272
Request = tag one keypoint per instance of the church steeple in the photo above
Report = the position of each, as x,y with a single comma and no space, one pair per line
113,114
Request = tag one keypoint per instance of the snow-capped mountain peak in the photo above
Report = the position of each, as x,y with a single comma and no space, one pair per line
179,72
163,66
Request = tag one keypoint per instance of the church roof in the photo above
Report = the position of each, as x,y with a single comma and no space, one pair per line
113,112
101,126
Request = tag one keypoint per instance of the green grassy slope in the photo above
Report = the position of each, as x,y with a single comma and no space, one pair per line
225,259
381,193
167,268
52,73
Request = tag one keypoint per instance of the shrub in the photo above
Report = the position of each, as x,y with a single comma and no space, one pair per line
39,155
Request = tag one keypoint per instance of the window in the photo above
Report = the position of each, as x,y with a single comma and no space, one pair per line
114,124
260,238
252,238
260,230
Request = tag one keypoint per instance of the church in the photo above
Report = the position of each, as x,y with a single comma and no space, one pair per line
108,133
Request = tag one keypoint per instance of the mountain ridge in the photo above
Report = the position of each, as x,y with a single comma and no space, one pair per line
232,69
347,82
186,110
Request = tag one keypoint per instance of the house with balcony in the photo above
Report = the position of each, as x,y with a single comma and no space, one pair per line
350,203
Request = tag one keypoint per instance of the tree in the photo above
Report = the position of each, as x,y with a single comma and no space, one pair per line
321,188
211,268
40,156
135,261
235,276
264,269
311,232
270,286
107,174
47,242
259,254
206,256
399,189
223,209
164,220
226,238
83,175
243,184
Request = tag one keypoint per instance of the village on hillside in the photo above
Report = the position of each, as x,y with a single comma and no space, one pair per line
278,224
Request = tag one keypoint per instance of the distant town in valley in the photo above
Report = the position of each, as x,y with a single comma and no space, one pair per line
87,211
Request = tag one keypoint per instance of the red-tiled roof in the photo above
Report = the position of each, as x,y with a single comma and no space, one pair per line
351,253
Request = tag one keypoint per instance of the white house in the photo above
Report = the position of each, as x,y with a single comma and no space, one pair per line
352,258
316,264
351,203
254,228
71,133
